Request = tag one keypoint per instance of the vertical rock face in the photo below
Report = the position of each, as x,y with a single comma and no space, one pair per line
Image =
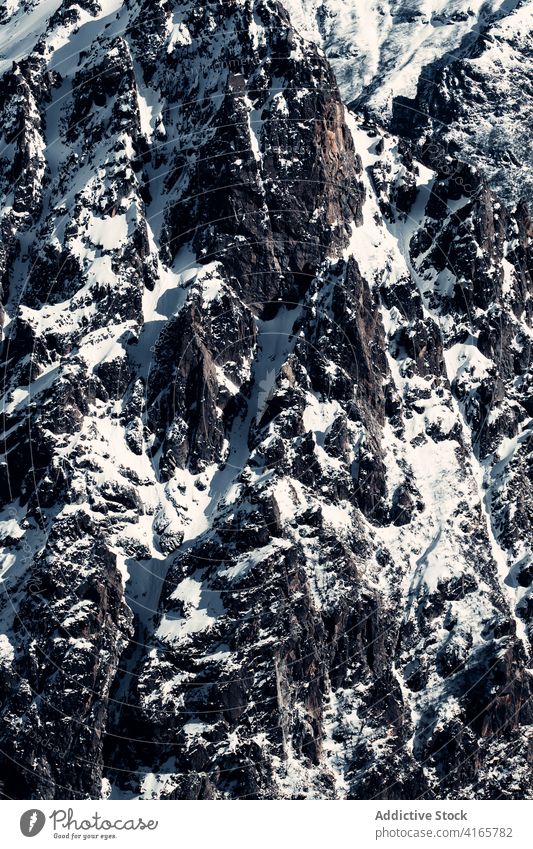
266,520
475,103
452,76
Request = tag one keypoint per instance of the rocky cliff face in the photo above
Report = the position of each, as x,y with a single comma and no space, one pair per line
266,409
475,104
451,76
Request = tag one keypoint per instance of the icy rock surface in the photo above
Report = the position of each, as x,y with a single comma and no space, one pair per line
266,378
453,74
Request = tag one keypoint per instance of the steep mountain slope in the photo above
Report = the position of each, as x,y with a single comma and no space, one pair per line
266,412
478,106
379,49
453,74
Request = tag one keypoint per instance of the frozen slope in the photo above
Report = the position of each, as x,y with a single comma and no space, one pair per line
458,73
378,49
266,525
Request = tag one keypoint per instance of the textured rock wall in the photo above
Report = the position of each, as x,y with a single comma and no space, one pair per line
265,502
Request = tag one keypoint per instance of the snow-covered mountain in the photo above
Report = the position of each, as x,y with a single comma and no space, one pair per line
379,48
457,74
266,411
